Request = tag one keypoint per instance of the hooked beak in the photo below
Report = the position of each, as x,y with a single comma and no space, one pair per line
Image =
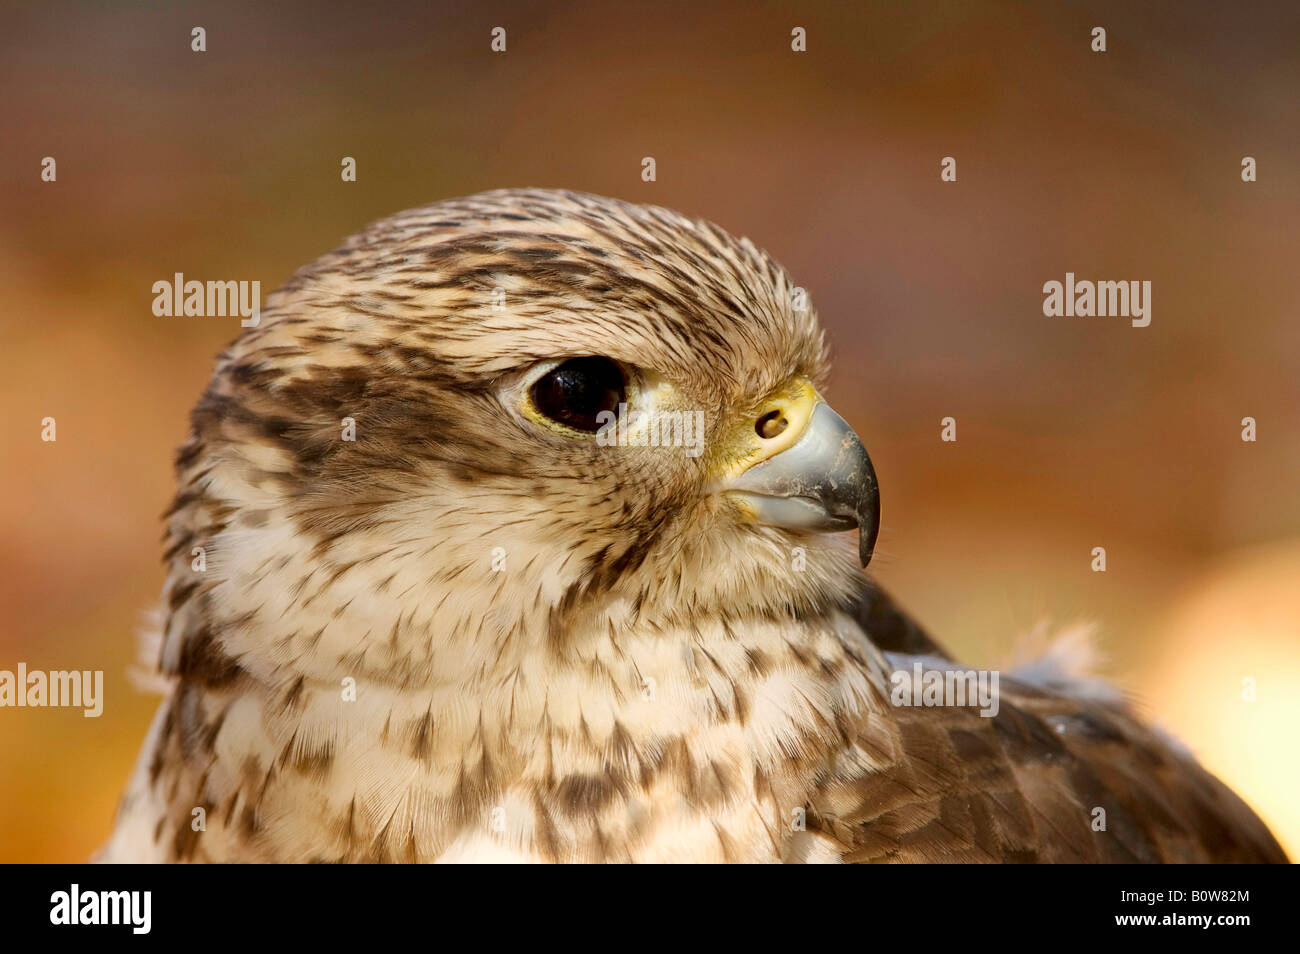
812,474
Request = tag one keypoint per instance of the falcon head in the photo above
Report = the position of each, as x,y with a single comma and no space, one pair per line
508,418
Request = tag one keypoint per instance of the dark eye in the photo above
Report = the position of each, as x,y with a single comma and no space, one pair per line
575,392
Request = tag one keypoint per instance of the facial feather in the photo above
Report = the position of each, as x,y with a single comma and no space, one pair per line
403,331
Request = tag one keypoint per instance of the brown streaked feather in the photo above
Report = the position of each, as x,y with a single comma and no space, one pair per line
1022,786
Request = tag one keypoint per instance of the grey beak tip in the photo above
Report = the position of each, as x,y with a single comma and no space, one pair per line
867,538
868,522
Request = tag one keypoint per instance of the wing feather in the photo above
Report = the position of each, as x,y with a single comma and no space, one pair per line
946,784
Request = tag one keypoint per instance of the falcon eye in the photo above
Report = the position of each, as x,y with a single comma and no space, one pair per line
576,391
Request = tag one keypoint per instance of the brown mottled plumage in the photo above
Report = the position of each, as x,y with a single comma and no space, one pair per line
468,636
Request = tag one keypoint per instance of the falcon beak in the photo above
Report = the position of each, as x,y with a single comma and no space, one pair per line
812,471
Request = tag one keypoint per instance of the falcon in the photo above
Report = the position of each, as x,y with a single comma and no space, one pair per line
420,607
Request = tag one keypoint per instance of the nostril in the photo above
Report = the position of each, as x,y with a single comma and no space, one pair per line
771,424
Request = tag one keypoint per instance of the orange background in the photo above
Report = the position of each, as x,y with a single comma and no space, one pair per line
1072,433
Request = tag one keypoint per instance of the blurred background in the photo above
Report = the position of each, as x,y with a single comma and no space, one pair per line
1072,433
